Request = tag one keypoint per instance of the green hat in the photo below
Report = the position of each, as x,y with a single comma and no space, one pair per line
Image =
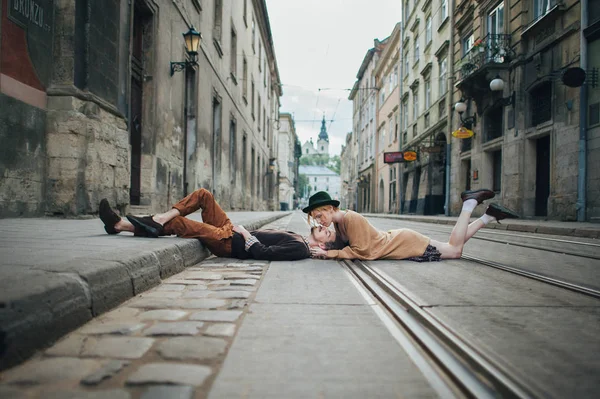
319,199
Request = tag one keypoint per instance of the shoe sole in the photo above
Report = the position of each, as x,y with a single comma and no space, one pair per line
105,208
152,232
507,213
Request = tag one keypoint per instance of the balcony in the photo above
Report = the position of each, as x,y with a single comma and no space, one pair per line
491,50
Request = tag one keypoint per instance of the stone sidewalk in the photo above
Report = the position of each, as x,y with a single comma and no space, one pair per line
574,229
57,274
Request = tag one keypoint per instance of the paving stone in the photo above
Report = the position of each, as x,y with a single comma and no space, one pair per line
221,330
162,294
235,288
218,283
216,315
8,392
231,294
171,287
202,276
231,276
98,327
185,282
237,304
197,287
117,347
106,394
168,392
170,373
244,281
72,345
178,303
107,371
191,348
50,370
118,314
175,328
196,294
163,314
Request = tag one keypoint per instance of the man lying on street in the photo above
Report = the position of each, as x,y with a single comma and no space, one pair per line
365,242
215,231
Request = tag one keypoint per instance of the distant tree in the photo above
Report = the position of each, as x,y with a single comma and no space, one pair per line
314,160
302,184
335,164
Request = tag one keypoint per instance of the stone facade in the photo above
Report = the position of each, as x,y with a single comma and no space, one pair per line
526,142
96,112
288,156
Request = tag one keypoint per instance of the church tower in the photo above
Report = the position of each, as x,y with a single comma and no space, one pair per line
323,143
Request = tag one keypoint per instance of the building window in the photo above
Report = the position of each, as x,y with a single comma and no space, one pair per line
444,10
497,171
426,120
315,182
541,103
265,72
428,35
258,111
467,43
415,104
466,144
245,79
216,136
415,132
427,93
382,138
232,149
496,20
233,54
443,76
442,107
494,125
259,56
395,80
245,11
218,20
390,124
392,201
416,49
253,35
404,138
405,114
406,62
252,99
406,9
541,7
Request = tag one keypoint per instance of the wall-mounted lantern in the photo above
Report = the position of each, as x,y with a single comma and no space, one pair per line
192,40
469,121
497,85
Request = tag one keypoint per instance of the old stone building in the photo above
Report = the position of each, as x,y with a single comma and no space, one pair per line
514,68
288,159
348,173
90,106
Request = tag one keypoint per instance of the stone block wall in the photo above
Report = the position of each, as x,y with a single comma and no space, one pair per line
22,158
88,157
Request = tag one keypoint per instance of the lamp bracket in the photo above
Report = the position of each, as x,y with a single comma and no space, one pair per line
181,66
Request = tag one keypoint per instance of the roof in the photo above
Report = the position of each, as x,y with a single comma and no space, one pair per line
316,170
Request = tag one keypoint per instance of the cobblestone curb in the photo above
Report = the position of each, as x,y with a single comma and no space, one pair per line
42,304
528,226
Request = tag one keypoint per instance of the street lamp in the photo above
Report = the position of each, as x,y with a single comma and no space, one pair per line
192,39
497,85
461,107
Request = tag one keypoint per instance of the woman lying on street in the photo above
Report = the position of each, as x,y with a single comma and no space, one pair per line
365,242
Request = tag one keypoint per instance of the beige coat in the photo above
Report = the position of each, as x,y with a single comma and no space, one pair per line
368,243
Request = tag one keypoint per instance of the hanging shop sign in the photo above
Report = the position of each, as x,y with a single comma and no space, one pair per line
463,133
399,156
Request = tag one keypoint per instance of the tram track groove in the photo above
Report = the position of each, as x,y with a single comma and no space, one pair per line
473,374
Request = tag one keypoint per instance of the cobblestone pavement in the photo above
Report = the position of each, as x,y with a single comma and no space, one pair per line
167,342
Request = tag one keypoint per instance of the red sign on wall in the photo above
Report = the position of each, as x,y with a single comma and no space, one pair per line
399,156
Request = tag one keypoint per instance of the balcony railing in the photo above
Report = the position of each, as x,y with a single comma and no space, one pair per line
491,49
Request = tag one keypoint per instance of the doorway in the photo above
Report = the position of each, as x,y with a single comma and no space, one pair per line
414,199
136,94
381,194
542,176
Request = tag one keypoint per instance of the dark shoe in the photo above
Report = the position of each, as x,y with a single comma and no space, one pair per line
108,217
500,212
479,195
146,223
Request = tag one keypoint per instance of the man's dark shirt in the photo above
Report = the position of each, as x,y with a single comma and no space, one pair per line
272,245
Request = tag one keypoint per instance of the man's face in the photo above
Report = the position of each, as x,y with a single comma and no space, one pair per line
323,235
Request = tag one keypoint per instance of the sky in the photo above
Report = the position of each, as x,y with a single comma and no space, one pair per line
320,44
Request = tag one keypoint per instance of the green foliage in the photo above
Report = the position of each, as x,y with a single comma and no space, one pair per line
302,183
333,163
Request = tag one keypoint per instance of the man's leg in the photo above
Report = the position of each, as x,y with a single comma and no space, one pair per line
203,199
216,239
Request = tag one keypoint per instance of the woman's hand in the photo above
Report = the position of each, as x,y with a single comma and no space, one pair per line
317,252
241,230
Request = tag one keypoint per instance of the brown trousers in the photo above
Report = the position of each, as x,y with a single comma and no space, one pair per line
215,230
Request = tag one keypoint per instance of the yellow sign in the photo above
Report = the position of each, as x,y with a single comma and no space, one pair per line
410,156
463,133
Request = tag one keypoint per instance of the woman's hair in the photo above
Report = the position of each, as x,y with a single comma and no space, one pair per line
320,208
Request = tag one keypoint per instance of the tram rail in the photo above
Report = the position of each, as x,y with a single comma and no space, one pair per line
471,372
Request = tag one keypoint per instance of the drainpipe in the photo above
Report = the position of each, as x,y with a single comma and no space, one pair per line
450,109
582,178
400,178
